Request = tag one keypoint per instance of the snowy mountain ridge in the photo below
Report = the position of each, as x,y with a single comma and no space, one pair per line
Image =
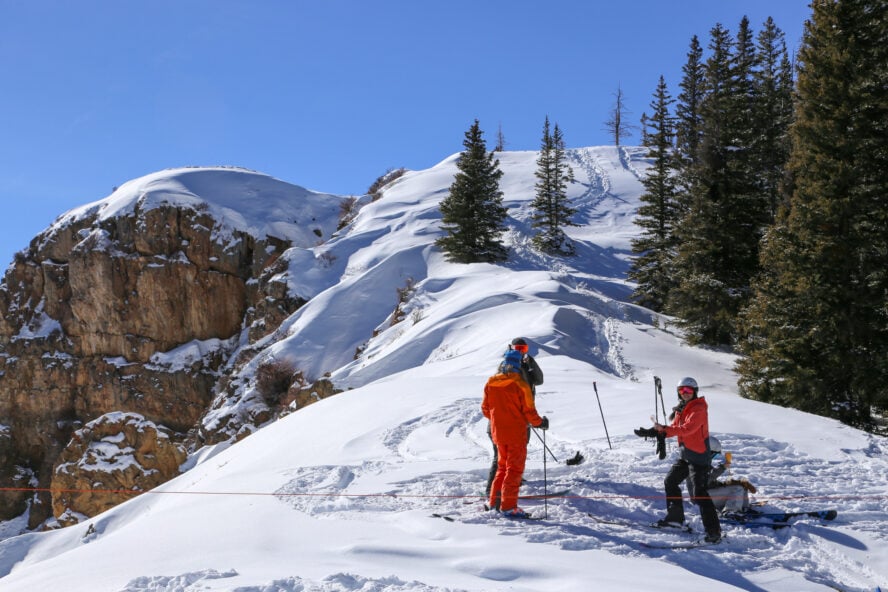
338,495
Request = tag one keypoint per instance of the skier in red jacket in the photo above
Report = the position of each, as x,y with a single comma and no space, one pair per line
508,404
690,424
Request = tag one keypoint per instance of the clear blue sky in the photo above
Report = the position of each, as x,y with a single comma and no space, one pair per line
326,94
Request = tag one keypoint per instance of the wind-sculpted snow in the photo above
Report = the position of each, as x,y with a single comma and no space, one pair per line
348,486
195,581
339,495
237,198
390,245
623,487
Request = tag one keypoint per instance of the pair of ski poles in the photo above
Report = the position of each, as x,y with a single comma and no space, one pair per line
575,460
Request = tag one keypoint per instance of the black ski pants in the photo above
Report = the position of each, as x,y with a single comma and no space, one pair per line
699,475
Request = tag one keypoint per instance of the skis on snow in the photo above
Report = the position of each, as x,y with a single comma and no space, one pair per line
685,528
678,545
526,516
754,518
678,529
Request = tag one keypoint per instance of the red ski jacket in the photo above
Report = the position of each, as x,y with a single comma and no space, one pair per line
508,404
691,426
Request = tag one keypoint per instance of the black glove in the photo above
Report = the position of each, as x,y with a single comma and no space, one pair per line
646,433
661,445
544,425
653,433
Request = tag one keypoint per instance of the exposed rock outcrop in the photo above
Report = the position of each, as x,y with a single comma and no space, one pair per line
110,459
137,304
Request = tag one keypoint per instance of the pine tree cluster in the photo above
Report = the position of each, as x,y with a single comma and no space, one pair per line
552,210
473,214
815,336
765,213
711,191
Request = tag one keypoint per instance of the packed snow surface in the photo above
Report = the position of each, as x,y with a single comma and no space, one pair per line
339,496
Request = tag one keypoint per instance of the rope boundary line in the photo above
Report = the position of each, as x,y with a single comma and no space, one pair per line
415,496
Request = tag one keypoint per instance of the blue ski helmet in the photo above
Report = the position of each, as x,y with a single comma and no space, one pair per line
511,361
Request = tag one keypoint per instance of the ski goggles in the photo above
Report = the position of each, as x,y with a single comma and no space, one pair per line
520,347
685,390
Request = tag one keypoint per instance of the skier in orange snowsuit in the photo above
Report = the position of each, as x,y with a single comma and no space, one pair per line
508,404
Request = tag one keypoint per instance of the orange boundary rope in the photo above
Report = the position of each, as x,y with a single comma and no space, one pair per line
415,496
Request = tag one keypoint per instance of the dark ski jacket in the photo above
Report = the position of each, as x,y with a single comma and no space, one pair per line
531,373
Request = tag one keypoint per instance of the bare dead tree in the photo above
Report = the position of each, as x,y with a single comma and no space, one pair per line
500,139
617,124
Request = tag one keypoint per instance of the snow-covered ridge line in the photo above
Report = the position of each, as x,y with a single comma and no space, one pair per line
237,198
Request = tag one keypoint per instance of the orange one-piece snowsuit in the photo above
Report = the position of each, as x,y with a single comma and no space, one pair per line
508,404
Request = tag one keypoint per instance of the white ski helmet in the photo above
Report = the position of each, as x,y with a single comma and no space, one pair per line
687,381
715,447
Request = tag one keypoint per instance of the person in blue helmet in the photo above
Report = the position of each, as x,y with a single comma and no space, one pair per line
508,404
533,376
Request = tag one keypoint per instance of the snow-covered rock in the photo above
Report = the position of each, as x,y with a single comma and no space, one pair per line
137,302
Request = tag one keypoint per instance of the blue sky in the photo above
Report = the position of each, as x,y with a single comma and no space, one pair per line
323,94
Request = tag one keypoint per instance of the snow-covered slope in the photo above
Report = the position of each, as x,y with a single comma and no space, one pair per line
338,496
284,211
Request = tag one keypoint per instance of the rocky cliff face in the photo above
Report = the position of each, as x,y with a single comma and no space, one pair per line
137,310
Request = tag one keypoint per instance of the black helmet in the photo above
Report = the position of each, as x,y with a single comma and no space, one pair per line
520,344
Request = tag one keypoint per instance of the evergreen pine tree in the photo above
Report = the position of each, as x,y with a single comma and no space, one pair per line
727,212
703,297
659,213
552,209
688,119
816,333
773,113
473,215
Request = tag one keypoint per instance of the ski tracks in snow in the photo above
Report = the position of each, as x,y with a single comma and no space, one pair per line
438,462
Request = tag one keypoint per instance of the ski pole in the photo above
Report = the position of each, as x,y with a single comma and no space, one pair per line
543,440
545,480
659,384
658,390
595,386
656,409
576,459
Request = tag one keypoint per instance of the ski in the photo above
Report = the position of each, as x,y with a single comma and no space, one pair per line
775,520
784,516
685,545
536,496
521,518
459,517
680,528
686,529
613,521
752,524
